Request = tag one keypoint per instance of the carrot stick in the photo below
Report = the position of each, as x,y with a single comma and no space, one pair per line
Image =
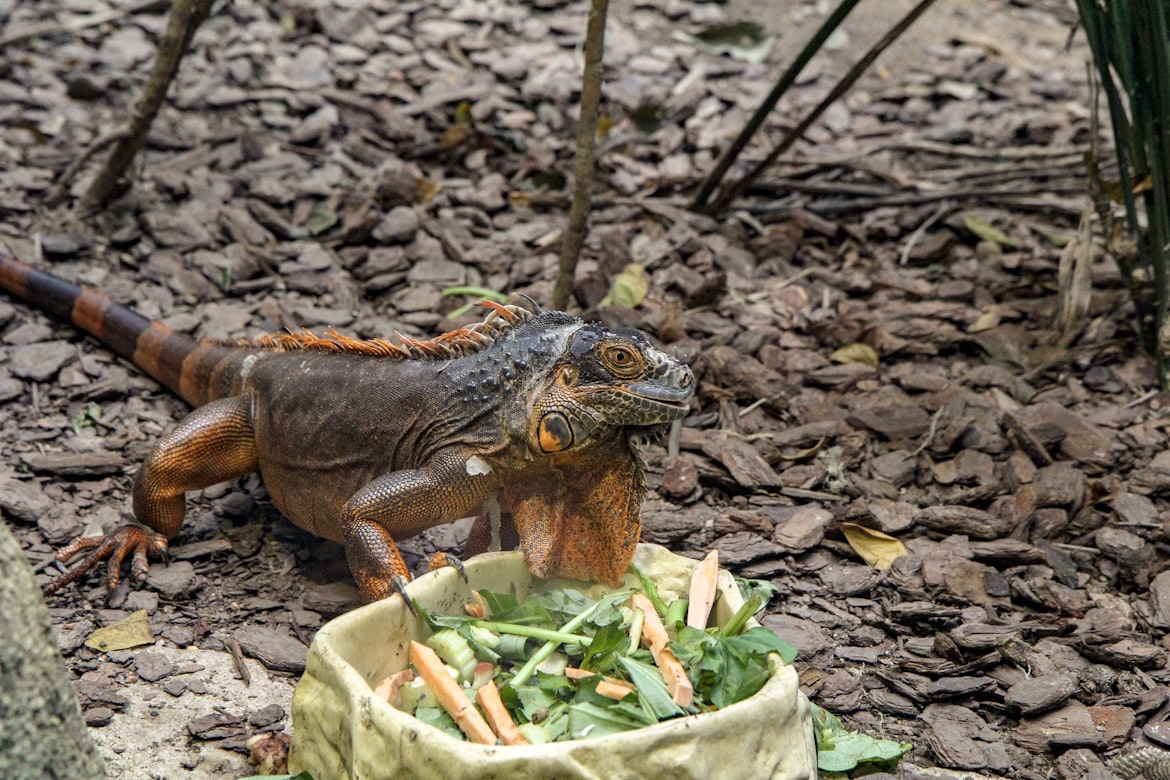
390,686
655,637
450,695
704,585
488,697
608,687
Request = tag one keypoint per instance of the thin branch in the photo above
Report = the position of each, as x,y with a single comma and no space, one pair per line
787,79
583,164
184,20
732,191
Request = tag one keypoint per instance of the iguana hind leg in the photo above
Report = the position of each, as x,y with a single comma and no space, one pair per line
403,503
213,444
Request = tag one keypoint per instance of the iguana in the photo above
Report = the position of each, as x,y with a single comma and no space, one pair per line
530,416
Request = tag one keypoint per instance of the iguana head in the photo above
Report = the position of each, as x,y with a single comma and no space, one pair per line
605,380
575,399
577,507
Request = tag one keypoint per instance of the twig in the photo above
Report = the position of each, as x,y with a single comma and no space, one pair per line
1141,399
237,654
787,79
61,187
184,20
733,190
931,433
583,164
920,231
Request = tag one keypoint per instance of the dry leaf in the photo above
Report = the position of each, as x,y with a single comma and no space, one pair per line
131,631
628,288
427,189
1076,283
807,453
875,548
986,231
987,320
856,353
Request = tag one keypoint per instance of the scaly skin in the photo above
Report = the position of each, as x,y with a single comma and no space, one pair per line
529,420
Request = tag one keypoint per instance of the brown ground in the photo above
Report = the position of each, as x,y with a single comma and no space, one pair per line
309,172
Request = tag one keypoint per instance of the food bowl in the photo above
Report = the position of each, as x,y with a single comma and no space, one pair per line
341,729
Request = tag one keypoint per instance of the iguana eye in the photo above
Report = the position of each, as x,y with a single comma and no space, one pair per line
622,360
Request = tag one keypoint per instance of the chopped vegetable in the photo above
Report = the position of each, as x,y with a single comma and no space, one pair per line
390,687
655,636
704,586
450,695
455,652
478,608
607,686
497,716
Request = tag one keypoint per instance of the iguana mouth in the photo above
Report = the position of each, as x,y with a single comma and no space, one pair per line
665,403
673,396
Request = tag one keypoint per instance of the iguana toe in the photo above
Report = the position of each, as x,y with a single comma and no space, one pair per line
441,559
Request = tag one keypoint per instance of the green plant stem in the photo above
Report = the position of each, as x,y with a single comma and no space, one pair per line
541,655
735,626
636,624
787,79
533,632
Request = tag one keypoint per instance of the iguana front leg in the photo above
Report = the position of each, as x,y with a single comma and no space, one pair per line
402,503
213,444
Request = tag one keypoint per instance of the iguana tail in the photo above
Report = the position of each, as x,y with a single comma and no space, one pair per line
172,358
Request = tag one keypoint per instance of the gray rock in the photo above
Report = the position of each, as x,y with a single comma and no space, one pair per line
1135,509
332,598
399,226
174,581
275,649
804,530
24,501
1160,599
40,362
153,666
1040,694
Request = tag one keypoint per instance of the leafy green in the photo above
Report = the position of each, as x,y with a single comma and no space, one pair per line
749,587
841,750
438,717
594,720
650,589
651,687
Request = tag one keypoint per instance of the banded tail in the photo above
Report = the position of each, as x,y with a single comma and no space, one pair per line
150,345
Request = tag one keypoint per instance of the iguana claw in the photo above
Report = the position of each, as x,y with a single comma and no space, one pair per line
113,548
398,585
